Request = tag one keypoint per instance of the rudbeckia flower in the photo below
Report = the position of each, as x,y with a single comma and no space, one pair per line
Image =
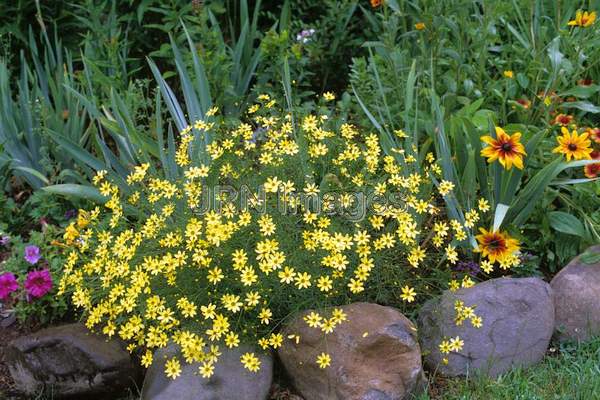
583,19
496,246
505,148
573,145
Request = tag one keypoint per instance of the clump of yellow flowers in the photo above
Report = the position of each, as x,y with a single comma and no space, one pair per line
183,260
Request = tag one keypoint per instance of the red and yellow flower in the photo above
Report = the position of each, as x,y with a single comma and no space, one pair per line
496,246
507,149
583,19
594,134
562,120
593,170
573,145
524,103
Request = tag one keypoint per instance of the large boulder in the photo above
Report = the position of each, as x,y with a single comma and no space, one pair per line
577,297
518,321
375,355
70,361
230,380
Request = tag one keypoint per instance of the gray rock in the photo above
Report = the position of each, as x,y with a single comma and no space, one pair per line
70,361
577,298
231,381
374,356
518,321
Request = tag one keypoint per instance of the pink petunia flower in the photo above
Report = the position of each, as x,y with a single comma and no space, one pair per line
8,284
38,283
32,254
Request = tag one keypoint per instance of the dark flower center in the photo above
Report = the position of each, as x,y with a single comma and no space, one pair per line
507,147
496,243
572,146
39,281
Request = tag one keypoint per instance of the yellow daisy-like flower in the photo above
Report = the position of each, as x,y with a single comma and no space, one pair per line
583,19
250,362
487,266
573,145
207,369
456,344
147,359
173,368
420,26
408,294
509,74
507,149
444,347
328,96
324,360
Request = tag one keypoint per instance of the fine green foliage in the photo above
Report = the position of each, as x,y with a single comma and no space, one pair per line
290,212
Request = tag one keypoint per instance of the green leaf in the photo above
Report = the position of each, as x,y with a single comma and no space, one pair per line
410,92
556,57
35,173
582,105
566,223
590,258
81,191
530,195
582,92
77,152
523,81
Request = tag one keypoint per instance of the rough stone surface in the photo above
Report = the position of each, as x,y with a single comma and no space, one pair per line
577,299
375,355
70,361
229,382
518,321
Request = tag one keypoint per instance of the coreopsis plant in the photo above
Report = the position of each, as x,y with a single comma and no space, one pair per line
292,212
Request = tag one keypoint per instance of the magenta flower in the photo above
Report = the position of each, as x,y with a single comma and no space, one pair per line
38,283
32,254
8,284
